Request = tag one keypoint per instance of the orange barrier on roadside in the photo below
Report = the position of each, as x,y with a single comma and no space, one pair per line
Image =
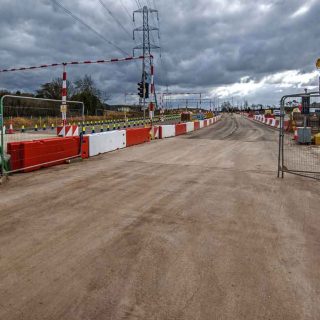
137,135
36,154
205,123
49,152
15,151
196,125
85,147
181,128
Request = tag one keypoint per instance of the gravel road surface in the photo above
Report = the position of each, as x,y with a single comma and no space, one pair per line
192,227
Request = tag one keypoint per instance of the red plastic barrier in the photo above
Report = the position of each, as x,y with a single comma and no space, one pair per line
181,128
85,147
269,116
205,123
160,132
48,152
196,125
15,151
137,135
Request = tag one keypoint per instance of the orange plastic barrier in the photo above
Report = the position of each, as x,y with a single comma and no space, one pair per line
205,123
137,135
49,152
15,151
181,128
85,147
196,125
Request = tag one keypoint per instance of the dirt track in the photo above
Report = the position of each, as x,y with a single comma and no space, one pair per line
194,227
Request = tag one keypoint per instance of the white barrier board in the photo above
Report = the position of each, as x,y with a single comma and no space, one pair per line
106,141
168,131
190,126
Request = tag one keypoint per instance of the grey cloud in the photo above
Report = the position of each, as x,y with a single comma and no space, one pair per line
205,43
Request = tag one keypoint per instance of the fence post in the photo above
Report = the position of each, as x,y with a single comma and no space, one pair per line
2,139
64,99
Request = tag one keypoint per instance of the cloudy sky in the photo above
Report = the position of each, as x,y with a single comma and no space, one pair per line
256,50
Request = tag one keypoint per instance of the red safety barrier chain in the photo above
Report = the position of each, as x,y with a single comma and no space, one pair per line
72,63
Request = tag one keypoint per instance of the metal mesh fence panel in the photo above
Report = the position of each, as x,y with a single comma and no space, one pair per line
299,148
25,120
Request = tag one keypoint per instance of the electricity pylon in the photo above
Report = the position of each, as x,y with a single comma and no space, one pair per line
146,46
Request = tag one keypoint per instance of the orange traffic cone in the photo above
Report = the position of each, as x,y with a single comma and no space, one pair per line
10,130
295,136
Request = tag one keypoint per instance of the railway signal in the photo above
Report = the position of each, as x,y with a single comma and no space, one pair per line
140,89
143,92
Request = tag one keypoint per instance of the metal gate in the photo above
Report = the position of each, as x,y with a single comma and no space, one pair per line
31,125
299,149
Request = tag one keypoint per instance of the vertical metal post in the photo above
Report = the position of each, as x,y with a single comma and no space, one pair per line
64,98
280,137
2,138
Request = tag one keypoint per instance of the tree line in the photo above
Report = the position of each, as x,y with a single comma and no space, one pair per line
83,89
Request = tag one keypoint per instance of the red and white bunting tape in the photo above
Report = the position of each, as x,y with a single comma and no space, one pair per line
72,63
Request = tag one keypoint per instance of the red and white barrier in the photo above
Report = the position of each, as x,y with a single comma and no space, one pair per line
270,121
68,131
201,122
74,63
92,144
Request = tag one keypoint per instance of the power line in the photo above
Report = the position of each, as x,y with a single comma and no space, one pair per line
138,3
87,26
125,9
115,19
